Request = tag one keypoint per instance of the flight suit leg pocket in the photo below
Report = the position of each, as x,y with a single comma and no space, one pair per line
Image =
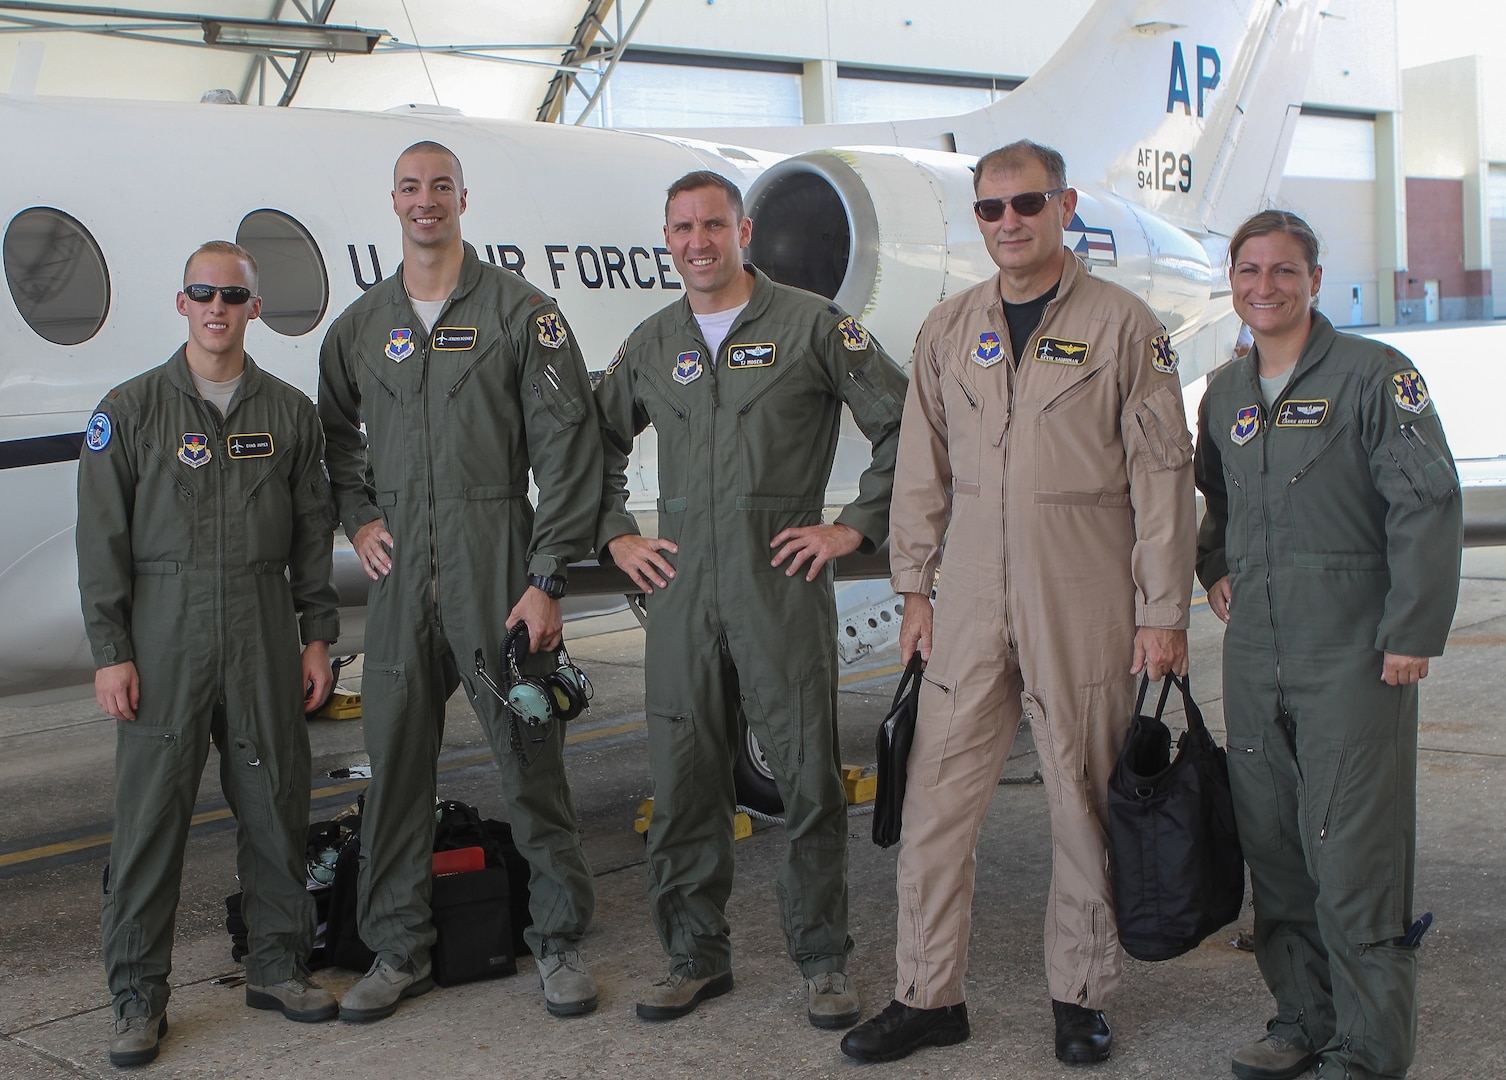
1356,838
933,728
156,760
249,784
1257,810
673,761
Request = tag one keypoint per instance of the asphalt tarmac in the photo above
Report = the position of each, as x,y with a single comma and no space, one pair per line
1181,1018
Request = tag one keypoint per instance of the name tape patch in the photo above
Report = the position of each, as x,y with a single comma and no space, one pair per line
251,445
1295,413
1061,351
758,354
454,338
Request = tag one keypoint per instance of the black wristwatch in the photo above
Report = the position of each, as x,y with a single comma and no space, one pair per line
551,586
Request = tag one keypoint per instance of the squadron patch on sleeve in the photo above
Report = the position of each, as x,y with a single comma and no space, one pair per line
989,352
97,434
1411,391
756,354
195,449
1162,356
250,445
1246,424
854,337
621,352
688,367
551,330
399,345
1294,413
1060,351
454,338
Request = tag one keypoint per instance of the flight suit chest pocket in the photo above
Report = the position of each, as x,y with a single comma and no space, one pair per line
670,414
268,504
1077,431
170,497
966,404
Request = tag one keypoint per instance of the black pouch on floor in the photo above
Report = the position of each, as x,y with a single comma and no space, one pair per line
472,926
343,947
501,851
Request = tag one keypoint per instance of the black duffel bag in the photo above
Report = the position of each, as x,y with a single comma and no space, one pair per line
1178,873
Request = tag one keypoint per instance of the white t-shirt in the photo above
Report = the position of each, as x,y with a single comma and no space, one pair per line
427,311
217,394
714,327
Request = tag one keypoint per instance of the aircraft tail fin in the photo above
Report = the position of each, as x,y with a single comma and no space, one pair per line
1197,103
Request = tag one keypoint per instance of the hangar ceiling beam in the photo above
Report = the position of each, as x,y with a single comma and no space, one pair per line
582,51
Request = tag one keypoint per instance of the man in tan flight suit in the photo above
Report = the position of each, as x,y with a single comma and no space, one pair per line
1044,442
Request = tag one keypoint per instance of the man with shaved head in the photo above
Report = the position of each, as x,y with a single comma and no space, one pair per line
465,377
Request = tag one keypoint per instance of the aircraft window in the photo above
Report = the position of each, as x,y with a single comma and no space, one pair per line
57,275
294,286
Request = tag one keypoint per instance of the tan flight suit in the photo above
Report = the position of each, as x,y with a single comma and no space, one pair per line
1063,492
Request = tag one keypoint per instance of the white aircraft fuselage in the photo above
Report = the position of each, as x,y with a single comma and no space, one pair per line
1174,118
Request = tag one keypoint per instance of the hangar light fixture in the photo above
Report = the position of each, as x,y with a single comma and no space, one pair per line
269,34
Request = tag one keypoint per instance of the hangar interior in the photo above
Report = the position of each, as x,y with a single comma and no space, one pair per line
1403,173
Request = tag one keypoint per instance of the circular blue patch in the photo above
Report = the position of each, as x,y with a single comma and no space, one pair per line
97,434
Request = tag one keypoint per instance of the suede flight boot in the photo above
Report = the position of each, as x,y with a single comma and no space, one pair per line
134,1039
298,998
832,1001
569,989
679,992
380,990
1272,1058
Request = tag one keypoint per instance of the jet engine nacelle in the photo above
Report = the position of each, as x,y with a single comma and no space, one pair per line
887,233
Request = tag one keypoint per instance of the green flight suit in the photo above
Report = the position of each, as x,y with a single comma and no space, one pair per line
204,547
454,421
746,444
1337,517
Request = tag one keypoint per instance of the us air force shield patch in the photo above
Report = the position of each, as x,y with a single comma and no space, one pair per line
988,353
195,450
399,345
687,367
1246,424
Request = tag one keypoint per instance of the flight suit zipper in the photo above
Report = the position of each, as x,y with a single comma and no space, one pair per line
220,602
1265,536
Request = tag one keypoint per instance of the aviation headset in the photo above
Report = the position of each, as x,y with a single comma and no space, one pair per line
560,695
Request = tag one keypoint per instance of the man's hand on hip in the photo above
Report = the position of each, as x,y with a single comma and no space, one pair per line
1159,651
818,544
642,558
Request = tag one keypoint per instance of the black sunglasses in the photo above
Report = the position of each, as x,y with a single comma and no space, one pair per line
234,295
1026,204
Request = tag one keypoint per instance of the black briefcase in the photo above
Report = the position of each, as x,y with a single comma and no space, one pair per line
1178,873
892,746
472,927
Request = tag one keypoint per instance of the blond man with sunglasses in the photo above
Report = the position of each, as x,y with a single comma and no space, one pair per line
1044,443
204,544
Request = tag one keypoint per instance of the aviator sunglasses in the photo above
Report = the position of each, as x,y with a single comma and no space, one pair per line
1026,204
234,295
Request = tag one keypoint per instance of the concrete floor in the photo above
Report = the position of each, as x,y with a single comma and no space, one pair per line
1177,1019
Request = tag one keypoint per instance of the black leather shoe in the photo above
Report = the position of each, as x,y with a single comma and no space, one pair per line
1082,1035
899,1031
